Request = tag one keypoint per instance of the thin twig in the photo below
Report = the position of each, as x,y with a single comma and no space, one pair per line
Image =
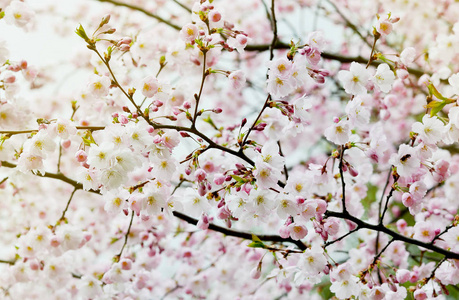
140,9
62,218
182,6
393,234
343,184
126,236
341,237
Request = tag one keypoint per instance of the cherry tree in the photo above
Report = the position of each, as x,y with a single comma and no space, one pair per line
245,149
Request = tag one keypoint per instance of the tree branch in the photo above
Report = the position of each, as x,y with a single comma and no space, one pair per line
241,234
140,9
393,234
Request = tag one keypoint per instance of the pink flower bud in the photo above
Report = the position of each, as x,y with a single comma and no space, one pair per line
215,16
203,222
55,241
144,235
66,144
201,190
125,40
319,79
255,273
414,277
9,78
324,72
34,264
353,172
186,105
260,127
81,156
219,179
125,48
200,174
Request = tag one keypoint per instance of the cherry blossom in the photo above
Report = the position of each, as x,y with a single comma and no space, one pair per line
355,79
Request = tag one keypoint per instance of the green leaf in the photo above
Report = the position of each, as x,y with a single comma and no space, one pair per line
435,107
238,179
256,238
257,245
435,92
256,242
81,33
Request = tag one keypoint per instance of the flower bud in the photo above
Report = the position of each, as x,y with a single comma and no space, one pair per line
81,156
255,273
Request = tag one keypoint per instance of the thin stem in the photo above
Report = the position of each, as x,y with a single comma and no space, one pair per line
440,234
62,218
116,81
198,96
285,165
137,8
255,122
10,262
386,204
341,237
343,183
383,192
349,23
59,159
126,236
373,47
378,256
182,5
434,270
274,28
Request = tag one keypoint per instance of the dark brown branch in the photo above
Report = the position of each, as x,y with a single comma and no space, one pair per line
330,56
240,234
397,236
